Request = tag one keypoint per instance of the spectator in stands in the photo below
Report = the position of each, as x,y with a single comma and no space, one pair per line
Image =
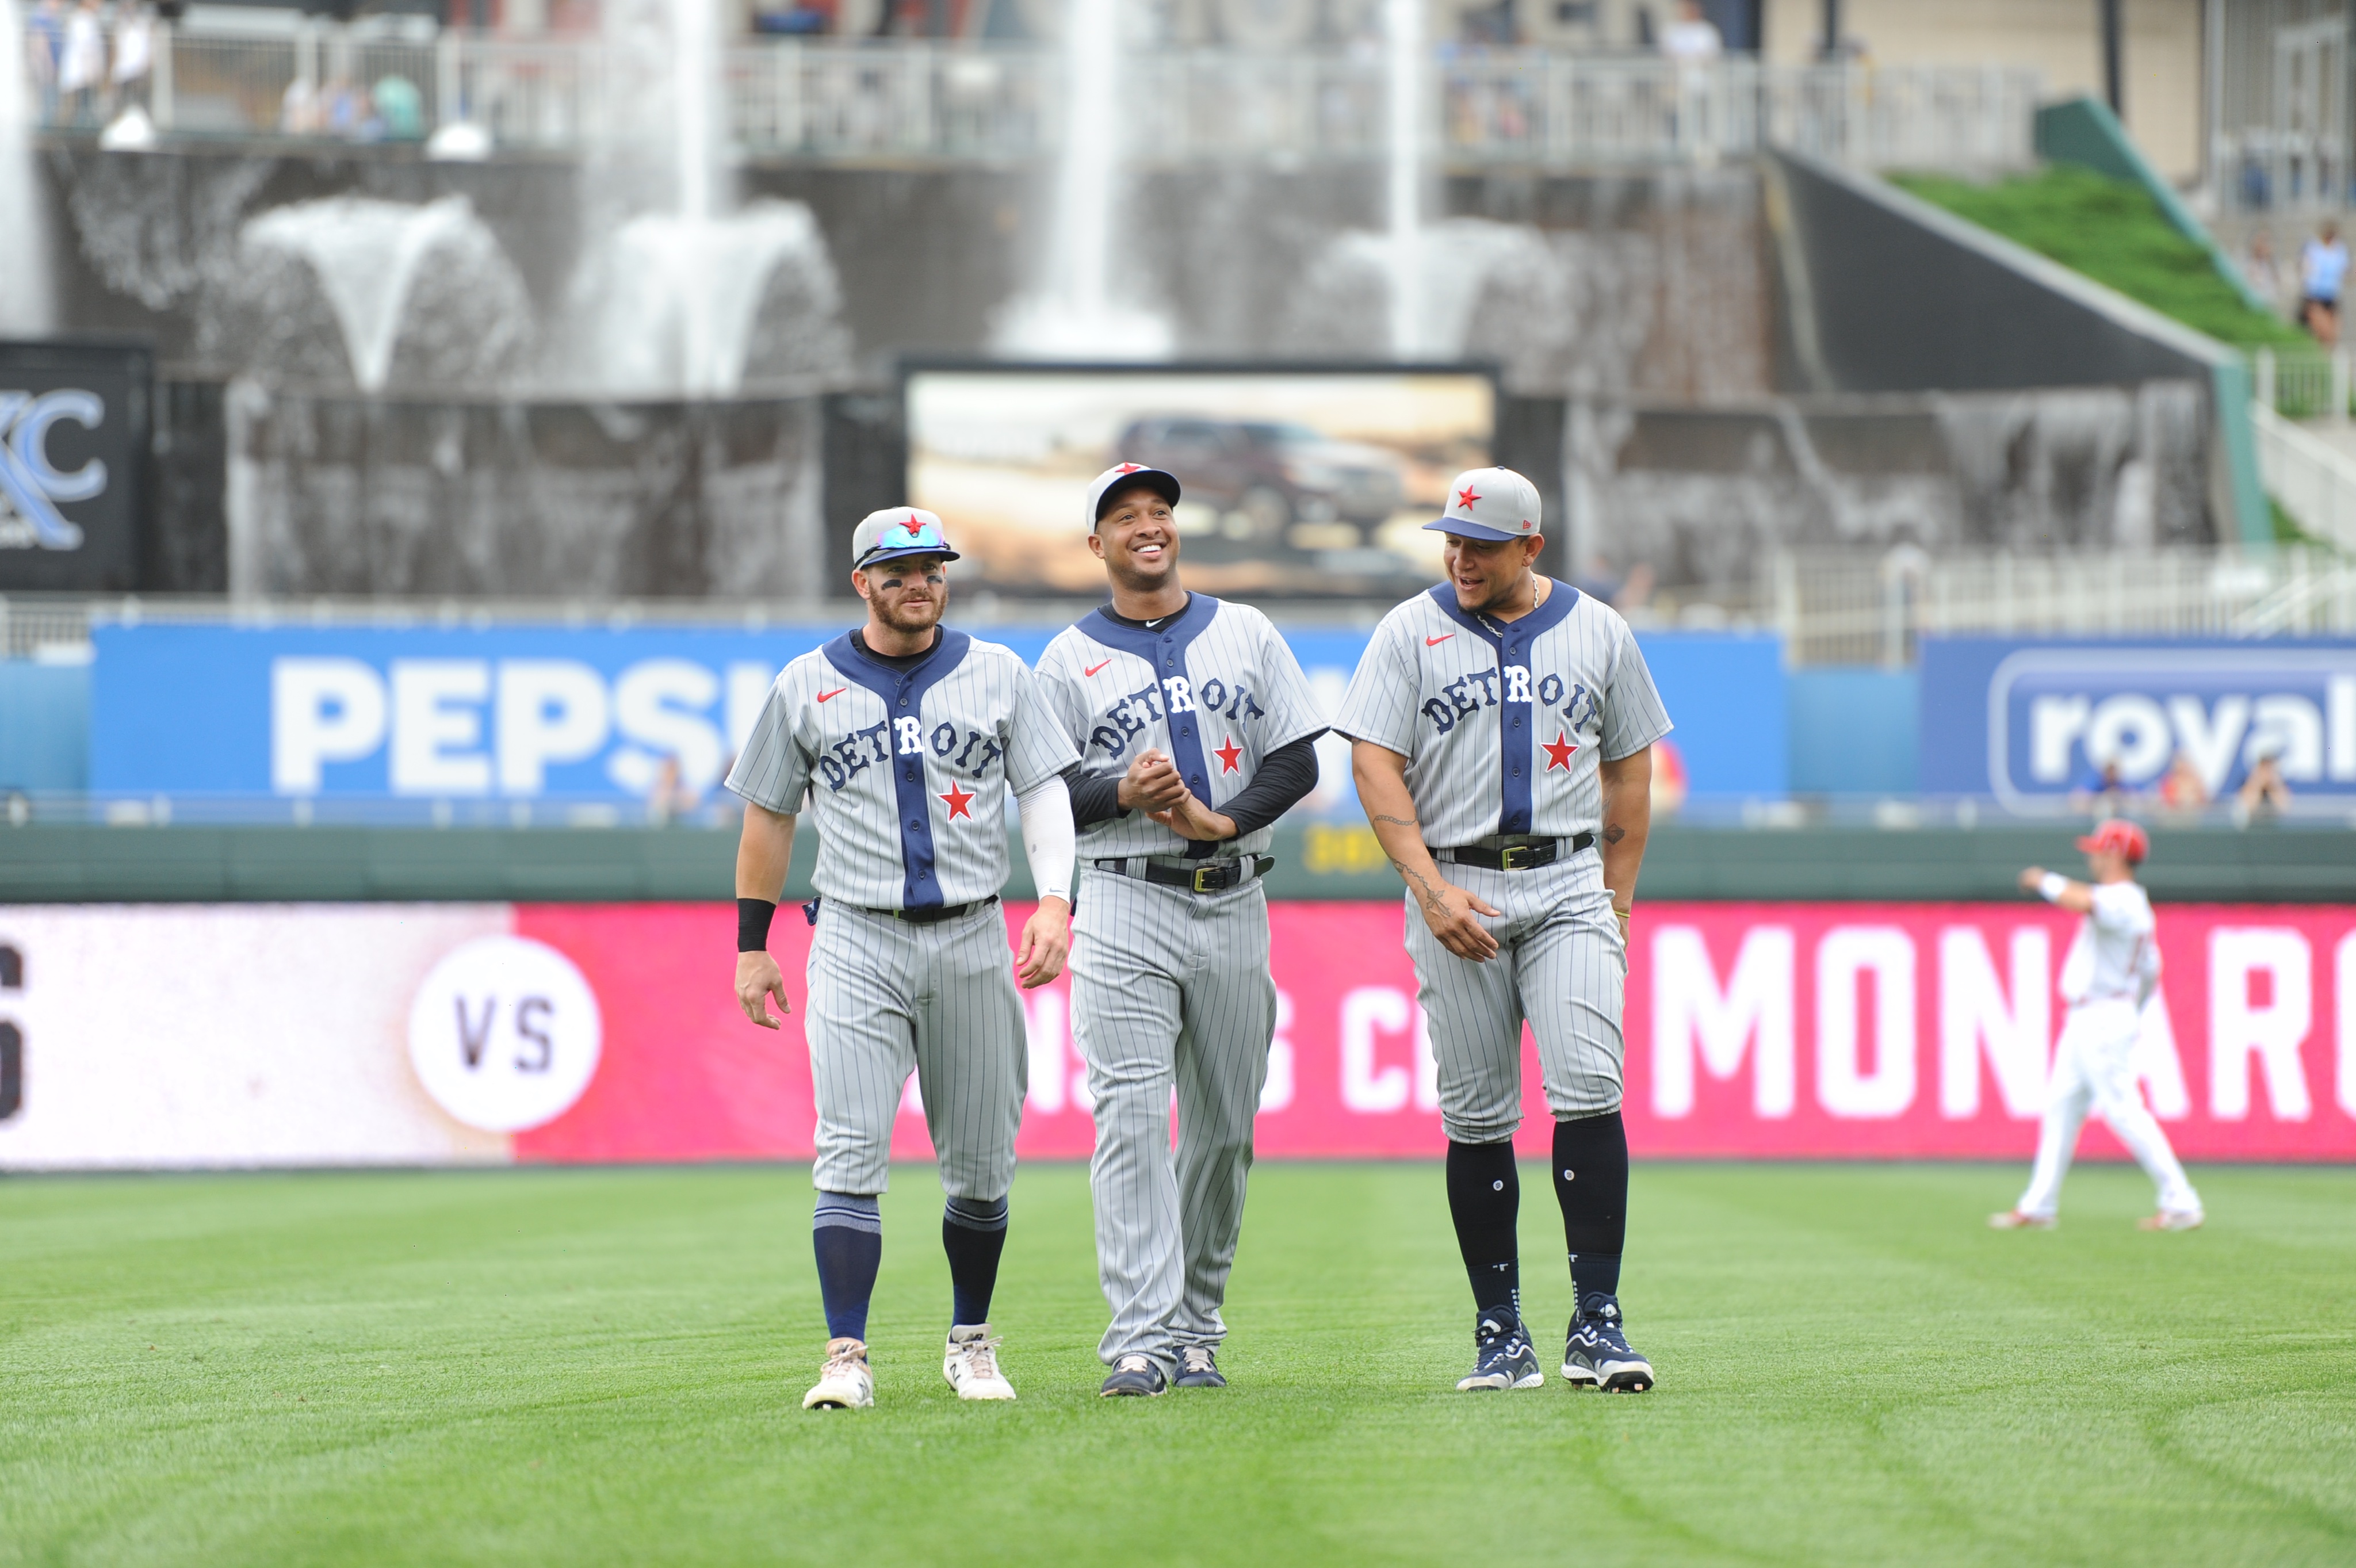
2322,269
82,66
135,57
1692,40
2104,792
44,36
2183,794
2261,271
2265,794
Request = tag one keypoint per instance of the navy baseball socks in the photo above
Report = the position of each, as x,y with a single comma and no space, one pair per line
973,1233
1591,1183
1484,1199
847,1233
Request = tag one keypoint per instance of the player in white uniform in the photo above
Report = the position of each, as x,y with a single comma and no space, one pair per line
2111,971
906,739
1502,725
1196,730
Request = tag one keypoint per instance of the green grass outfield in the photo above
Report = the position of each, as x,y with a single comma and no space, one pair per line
605,1366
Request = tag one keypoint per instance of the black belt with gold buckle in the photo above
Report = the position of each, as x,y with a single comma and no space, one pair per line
1517,856
1209,877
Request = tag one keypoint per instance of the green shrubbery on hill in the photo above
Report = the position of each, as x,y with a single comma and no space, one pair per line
2114,234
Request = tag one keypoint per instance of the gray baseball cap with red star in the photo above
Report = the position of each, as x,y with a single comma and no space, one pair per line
1119,478
898,530
1490,503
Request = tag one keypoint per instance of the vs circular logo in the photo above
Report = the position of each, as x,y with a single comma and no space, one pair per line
504,1033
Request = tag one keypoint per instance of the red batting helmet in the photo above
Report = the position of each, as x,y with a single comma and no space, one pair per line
2119,836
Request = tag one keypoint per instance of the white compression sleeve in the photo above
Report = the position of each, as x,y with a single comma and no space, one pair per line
1049,840
2051,886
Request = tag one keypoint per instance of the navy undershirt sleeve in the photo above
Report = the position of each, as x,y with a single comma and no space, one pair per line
1096,796
1283,778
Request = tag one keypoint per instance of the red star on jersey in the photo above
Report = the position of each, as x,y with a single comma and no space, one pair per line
1559,752
958,801
1228,754
1465,497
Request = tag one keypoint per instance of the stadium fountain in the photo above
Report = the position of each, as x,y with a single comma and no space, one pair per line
25,303
1080,314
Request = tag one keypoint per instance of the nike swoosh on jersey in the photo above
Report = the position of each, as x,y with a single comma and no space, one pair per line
839,691
1436,642
1094,668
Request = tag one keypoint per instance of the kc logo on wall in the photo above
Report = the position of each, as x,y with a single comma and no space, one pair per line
73,449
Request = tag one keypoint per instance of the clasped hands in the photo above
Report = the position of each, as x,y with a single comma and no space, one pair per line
1153,785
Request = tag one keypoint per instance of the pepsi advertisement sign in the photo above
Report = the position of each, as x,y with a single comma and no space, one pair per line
586,714
2033,723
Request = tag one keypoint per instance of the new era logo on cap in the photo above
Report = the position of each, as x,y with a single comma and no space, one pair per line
899,530
1490,503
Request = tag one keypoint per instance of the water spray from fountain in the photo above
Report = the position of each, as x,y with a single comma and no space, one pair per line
1077,315
26,306
1403,26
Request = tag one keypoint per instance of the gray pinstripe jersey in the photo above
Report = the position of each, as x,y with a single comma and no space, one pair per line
1503,722
907,772
1214,686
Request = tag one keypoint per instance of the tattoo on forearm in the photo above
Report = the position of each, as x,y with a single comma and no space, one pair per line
1397,821
1613,833
1425,893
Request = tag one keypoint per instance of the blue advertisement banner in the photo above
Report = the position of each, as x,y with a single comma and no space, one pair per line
583,714
2034,723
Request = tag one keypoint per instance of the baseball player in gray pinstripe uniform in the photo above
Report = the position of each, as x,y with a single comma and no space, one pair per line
905,738
1196,730
1501,726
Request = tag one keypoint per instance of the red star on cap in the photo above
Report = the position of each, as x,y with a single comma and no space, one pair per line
1227,754
1128,469
1465,497
916,529
957,801
1559,752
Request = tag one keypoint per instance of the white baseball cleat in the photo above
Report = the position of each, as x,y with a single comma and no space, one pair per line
2014,1220
844,1382
2172,1219
971,1364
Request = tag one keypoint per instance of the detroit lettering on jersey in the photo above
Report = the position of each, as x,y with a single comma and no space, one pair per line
1214,686
1502,723
905,771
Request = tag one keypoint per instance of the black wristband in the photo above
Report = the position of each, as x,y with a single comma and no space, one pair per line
752,918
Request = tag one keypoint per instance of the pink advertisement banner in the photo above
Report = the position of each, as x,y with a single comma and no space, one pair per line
423,1034
1797,1030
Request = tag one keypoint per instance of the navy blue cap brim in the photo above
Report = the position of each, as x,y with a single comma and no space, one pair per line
883,556
1464,529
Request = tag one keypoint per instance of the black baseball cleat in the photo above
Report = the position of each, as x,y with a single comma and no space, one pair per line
1597,1355
1502,1356
1134,1376
1198,1368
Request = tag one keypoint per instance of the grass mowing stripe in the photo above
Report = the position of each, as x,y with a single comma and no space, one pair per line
605,1366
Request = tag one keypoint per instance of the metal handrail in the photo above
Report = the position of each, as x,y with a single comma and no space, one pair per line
961,101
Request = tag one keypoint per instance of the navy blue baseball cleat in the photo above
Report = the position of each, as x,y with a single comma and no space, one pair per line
1134,1376
1597,1355
1198,1368
1503,1358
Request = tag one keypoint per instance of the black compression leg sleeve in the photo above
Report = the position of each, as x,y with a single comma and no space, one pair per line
1591,1182
1484,1198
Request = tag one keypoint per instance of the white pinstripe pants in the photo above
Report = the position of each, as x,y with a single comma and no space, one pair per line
1170,987
1559,964
886,996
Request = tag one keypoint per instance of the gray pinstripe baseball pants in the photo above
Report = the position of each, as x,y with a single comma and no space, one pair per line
1169,986
1558,964
886,996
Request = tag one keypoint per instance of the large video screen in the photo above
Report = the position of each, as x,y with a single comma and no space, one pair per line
1298,484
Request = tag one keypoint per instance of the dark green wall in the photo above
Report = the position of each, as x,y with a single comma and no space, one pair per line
41,864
